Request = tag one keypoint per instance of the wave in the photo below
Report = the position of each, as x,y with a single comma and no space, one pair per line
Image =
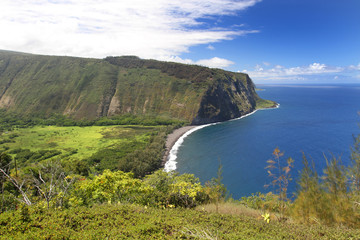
170,165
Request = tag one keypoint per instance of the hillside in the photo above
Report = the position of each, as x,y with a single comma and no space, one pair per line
81,88
124,221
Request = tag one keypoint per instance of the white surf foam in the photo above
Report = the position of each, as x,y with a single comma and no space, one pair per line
170,165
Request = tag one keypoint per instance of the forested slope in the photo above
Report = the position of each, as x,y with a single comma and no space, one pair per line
83,88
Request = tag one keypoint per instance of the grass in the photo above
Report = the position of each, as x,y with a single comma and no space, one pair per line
231,208
262,103
85,140
124,221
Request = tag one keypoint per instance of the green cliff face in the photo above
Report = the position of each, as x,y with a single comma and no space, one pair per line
231,95
93,88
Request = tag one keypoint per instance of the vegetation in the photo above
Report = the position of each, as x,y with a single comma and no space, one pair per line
79,188
328,199
215,189
9,121
126,221
84,150
80,153
44,86
280,175
263,103
116,205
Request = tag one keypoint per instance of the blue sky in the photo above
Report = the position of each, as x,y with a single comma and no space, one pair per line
294,34
274,41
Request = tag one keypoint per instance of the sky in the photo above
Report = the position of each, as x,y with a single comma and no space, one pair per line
274,41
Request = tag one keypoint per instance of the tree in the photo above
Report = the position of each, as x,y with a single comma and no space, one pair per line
354,169
335,184
281,177
327,201
5,161
52,182
334,177
215,188
18,185
311,202
185,190
170,188
110,187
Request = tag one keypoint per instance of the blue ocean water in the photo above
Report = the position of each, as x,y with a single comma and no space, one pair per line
316,120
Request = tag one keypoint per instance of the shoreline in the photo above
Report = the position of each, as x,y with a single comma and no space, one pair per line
175,139
172,138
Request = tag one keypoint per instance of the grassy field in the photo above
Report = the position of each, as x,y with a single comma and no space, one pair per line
88,149
84,140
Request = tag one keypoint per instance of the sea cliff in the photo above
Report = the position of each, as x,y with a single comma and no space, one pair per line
83,88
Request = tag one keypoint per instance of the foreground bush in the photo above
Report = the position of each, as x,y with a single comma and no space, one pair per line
158,189
124,221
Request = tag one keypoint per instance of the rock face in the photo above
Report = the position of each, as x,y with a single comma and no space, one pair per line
226,99
92,88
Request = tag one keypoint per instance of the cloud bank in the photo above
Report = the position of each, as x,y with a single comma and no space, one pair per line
158,29
269,73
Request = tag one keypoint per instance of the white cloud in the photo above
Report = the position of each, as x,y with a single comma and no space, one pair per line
280,72
352,67
211,47
214,62
177,59
90,28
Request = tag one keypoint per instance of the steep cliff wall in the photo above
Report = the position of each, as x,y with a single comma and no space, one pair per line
230,96
93,88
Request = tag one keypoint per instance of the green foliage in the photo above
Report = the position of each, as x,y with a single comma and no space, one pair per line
10,121
91,149
24,213
124,221
280,174
335,183
94,90
325,199
216,189
52,184
186,191
334,177
109,187
6,199
354,170
268,202
140,156
159,189
5,160
84,88
24,157
311,204
174,189
263,103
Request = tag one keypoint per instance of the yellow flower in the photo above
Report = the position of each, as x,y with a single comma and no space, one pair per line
266,217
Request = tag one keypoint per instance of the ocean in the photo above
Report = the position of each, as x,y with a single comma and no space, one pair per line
315,120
